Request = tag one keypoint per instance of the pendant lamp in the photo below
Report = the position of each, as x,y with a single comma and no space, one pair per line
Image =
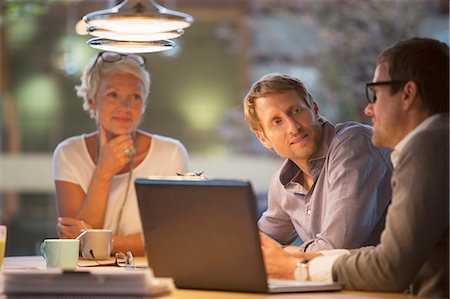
136,26
130,46
137,37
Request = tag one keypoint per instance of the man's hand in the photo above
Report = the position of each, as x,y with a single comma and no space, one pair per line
70,228
281,263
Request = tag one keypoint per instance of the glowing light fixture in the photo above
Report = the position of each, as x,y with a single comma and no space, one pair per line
108,34
140,26
131,46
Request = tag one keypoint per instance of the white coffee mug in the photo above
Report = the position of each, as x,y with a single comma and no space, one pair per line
96,244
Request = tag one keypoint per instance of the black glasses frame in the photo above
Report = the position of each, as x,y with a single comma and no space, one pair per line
112,57
370,95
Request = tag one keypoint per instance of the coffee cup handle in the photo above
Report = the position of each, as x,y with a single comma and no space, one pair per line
43,250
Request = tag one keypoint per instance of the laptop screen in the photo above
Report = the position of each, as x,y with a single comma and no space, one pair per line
203,233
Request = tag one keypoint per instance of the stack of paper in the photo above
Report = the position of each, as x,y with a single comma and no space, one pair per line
99,282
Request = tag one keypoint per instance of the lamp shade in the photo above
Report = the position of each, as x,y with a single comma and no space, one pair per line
135,26
131,46
108,34
138,17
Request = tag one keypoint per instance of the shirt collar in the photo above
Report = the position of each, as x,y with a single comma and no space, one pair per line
401,145
328,132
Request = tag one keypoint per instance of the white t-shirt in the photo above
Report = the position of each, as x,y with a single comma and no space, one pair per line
72,163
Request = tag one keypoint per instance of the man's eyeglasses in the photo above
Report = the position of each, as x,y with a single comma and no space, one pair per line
370,94
112,57
120,260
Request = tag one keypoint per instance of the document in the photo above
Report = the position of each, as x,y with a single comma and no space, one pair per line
85,282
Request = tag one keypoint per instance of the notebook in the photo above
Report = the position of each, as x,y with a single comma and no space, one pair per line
204,234
101,282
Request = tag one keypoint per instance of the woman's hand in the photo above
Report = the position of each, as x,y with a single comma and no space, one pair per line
114,154
70,228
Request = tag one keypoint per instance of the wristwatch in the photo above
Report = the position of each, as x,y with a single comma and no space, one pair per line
301,271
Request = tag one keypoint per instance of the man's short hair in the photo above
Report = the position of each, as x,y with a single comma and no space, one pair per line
272,84
424,61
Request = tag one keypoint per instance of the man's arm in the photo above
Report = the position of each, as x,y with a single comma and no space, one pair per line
275,222
416,234
358,193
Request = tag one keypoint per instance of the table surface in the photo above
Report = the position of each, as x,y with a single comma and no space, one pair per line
37,262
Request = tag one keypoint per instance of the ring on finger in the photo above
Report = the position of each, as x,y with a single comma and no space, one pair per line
129,152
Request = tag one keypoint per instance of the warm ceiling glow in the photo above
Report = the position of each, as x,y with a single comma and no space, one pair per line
81,27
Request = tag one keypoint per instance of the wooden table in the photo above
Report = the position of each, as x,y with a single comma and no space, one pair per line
37,262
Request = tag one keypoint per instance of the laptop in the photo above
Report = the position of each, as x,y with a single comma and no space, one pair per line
204,234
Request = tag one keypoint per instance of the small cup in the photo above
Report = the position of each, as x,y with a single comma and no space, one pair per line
61,253
2,243
96,244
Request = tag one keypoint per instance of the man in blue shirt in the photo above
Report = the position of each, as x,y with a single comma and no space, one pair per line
333,189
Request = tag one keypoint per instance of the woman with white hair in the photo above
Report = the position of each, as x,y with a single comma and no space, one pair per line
94,172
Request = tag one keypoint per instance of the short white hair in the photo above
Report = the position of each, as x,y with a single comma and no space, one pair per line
97,68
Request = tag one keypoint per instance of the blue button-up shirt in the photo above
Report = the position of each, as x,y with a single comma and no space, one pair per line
346,205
